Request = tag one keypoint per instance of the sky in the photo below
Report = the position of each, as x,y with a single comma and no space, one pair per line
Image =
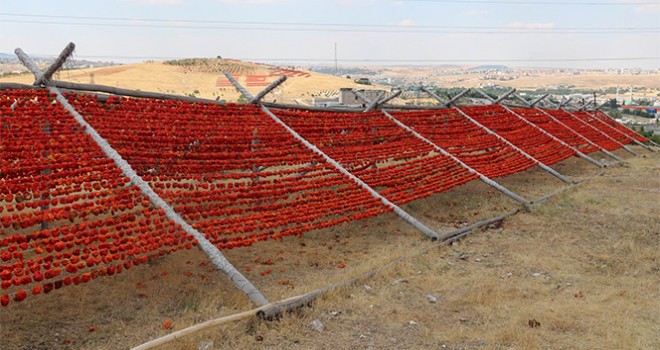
580,34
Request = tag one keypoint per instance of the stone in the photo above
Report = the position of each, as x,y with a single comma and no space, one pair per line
205,345
317,325
432,298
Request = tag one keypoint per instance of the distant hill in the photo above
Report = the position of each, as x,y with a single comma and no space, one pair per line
203,77
498,67
6,56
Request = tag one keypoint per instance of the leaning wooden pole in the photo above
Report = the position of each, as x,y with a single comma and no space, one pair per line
525,154
578,152
612,155
384,101
619,131
59,62
533,105
482,177
268,89
397,210
217,258
373,103
603,133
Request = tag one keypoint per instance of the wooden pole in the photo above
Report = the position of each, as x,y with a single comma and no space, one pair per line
217,258
482,177
612,155
274,310
525,154
536,161
620,132
580,154
48,74
397,210
533,103
131,93
504,96
444,103
256,99
384,101
239,87
563,103
373,103
524,101
606,135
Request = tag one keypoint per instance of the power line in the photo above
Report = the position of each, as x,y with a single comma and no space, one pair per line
402,30
398,60
576,3
177,23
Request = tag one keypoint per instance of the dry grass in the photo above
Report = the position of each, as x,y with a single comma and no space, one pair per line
600,239
584,265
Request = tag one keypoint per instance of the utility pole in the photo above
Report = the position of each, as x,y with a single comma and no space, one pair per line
336,69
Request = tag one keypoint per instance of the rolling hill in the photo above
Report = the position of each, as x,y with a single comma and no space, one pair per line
204,78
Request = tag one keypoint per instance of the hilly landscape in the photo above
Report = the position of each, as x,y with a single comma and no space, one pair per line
205,78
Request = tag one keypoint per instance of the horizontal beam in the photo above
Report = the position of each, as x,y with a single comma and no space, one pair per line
128,92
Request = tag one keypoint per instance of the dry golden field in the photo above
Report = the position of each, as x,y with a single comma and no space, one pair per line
583,269
201,80
184,80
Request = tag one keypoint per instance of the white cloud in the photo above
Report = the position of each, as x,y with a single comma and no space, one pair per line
474,13
407,23
521,25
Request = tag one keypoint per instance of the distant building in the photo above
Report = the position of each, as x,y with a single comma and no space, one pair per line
325,102
348,98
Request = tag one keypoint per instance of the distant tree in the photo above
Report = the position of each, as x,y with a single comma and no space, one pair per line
615,113
612,103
